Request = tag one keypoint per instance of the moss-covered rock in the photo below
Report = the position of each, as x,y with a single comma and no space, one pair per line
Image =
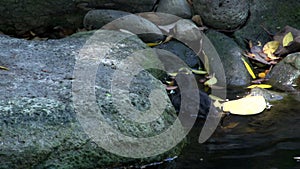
40,125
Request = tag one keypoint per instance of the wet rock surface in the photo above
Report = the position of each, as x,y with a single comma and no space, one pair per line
267,94
268,17
39,126
285,75
230,54
183,52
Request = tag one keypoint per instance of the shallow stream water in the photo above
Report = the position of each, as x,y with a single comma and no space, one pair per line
270,140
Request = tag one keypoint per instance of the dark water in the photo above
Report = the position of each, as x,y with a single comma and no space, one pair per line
269,140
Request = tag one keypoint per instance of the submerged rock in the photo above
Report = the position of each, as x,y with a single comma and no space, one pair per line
286,74
41,124
267,94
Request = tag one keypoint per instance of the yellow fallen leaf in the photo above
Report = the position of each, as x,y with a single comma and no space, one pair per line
173,74
272,56
168,39
171,83
264,86
185,70
213,80
248,67
262,75
287,39
213,97
250,44
259,43
153,44
246,106
217,104
4,68
206,62
199,72
271,47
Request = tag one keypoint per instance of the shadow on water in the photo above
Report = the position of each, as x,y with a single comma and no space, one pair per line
269,140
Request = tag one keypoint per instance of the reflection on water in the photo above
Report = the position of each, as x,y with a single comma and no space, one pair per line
269,140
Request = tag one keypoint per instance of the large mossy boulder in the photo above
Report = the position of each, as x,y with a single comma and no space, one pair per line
39,125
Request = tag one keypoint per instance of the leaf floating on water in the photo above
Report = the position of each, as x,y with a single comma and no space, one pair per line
249,69
213,80
4,68
287,39
246,106
264,86
271,47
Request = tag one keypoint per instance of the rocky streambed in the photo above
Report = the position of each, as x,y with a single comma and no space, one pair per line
57,95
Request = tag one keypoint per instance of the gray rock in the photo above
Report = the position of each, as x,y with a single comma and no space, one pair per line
269,95
186,31
159,18
222,14
38,16
41,125
230,54
134,6
145,29
268,16
175,7
95,19
183,52
285,75
19,18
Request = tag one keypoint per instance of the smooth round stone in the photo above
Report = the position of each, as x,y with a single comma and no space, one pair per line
124,22
95,19
175,7
224,15
230,54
